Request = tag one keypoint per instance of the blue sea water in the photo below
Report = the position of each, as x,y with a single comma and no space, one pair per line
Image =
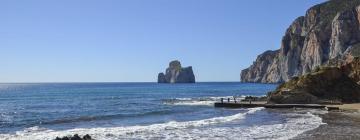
142,111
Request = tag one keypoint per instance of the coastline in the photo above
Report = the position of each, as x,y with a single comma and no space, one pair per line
348,107
235,123
344,124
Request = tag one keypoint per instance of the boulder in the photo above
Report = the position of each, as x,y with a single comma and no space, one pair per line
75,137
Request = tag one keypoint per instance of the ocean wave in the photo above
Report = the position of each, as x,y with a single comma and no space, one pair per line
105,117
169,130
295,124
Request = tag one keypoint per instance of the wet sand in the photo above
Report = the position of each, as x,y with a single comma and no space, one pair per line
353,107
342,125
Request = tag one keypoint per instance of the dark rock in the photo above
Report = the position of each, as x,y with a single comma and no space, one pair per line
76,137
161,78
177,74
255,98
87,137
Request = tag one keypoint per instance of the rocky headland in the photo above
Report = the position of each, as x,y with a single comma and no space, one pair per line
318,61
177,74
325,33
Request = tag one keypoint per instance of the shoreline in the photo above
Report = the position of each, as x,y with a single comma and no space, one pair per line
341,123
341,107
344,124
348,107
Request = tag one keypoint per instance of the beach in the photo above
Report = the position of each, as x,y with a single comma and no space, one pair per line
341,124
348,107
344,125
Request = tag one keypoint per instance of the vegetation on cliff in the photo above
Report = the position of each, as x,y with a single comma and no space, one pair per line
324,85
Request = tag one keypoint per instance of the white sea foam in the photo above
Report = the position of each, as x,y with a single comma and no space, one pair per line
199,129
165,130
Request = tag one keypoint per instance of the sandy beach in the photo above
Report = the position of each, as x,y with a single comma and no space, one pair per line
350,107
343,125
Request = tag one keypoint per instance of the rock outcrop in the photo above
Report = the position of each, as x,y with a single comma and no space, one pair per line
324,33
323,85
177,74
75,137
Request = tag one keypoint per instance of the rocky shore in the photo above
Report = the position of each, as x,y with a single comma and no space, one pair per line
75,137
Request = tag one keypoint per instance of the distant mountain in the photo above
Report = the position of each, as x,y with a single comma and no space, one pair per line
177,74
322,36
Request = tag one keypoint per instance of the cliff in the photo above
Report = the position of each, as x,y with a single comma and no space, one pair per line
177,74
322,35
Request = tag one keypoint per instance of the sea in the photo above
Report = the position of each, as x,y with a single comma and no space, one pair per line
136,111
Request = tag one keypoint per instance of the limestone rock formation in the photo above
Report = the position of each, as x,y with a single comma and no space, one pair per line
325,84
336,81
324,33
344,33
266,62
177,74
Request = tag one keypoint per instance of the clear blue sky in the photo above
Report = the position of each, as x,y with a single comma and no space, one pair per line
134,40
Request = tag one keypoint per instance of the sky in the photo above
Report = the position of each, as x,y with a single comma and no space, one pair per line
134,40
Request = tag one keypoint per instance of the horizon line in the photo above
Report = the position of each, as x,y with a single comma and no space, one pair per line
113,82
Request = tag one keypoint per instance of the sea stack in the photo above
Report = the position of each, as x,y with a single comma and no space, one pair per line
177,74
